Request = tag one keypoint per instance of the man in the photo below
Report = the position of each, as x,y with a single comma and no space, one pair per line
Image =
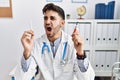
55,55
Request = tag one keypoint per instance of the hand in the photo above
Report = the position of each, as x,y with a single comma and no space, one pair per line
78,42
27,42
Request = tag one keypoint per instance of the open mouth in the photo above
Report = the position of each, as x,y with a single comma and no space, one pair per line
49,28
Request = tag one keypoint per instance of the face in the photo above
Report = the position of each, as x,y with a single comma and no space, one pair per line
53,24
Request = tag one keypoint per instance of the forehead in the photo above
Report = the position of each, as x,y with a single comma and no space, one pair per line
51,13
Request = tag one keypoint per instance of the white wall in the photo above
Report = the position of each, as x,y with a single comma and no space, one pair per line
24,11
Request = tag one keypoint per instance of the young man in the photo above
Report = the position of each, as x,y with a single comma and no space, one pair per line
56,55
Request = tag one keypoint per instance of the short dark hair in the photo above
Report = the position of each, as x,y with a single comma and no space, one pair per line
51,6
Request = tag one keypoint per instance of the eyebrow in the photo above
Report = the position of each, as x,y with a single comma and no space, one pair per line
50,17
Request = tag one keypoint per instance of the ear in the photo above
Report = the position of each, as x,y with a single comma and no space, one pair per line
62,23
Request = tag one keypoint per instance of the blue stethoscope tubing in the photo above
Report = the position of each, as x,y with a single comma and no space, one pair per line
64,51
46,46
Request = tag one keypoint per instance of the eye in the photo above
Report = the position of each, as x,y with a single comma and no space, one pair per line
45,17
52,18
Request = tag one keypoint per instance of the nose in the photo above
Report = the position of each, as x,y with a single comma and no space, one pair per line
48,21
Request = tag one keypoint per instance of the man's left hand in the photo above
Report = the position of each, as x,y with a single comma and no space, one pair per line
78,42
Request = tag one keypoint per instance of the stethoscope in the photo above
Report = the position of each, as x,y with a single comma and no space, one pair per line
62,62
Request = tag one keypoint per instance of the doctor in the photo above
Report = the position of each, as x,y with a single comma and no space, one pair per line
55,55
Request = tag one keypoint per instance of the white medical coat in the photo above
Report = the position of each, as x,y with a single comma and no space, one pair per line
50,68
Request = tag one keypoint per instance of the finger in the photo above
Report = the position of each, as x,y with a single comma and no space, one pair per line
74,39
77,39
28,33
75,34
32,34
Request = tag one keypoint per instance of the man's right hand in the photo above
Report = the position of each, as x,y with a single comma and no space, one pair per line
27,42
